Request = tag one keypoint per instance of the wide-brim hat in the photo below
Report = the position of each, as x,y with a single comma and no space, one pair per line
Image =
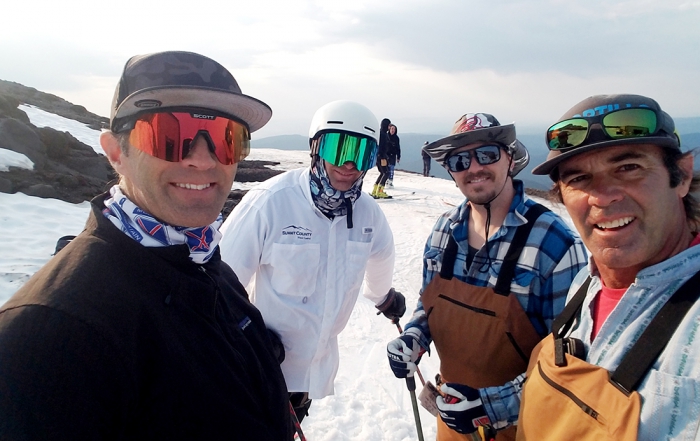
471,128
596,139
181,80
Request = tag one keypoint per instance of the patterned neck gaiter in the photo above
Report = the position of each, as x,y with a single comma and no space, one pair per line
150,232
330,201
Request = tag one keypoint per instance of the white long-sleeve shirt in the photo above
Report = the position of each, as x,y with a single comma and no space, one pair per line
308,270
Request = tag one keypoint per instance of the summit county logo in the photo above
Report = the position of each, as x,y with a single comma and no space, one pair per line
299,232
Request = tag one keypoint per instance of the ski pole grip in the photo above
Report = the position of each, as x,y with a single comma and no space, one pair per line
411,383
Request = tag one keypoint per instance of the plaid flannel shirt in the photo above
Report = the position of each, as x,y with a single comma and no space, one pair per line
552,257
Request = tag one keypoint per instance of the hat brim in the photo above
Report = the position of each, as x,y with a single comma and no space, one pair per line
439,150
555,158
252,111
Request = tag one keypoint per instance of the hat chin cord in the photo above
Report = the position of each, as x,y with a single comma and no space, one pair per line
485,267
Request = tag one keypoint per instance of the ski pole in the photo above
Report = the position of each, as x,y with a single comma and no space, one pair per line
411,384
422,381
297,424
485,433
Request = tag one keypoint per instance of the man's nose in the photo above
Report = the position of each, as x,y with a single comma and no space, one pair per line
200,154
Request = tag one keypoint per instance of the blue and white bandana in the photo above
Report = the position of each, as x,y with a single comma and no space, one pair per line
330,201
150,232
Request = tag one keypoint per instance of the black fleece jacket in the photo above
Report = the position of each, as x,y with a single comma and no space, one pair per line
111,340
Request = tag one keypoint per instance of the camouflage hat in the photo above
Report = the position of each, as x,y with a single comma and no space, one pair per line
180,80
479,127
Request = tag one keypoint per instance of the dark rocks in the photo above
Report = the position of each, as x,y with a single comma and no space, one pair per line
21,138
51,103
256,171
42,191
65,168
233,199
8,107
5,185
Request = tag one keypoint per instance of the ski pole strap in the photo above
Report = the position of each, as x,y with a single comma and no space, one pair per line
656,336
420,376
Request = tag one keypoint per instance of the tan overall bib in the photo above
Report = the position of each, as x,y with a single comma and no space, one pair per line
482,335
582,401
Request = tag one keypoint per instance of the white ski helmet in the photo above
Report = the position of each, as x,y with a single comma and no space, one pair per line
347,116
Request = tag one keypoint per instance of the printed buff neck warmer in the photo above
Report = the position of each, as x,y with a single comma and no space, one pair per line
150,232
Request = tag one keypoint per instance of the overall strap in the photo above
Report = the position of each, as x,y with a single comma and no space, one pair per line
449,256
505,277
653,340
572,311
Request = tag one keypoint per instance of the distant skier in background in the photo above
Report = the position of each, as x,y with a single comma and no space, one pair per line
382,160
393,153
426,160
496,270
308,237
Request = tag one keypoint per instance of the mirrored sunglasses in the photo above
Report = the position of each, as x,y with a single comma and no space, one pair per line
169,135
618,124
485,155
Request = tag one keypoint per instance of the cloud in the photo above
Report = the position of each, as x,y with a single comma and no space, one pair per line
422,63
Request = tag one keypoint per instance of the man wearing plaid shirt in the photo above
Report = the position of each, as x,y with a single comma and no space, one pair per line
496,271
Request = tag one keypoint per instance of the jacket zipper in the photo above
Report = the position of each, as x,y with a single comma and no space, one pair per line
217,291
585,407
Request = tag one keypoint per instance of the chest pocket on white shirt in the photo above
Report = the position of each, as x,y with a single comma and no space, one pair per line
357,256
295,268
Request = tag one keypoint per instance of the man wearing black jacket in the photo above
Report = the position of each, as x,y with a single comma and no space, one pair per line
137,329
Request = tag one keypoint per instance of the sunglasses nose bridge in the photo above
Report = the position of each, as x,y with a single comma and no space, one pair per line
204,134
596,133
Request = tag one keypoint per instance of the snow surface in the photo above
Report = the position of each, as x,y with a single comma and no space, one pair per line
9,158
369,402
80,131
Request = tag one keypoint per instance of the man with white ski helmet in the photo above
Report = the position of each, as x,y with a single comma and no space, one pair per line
496,270
308,237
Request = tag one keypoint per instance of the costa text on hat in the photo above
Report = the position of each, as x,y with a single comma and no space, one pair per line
602,121
176,80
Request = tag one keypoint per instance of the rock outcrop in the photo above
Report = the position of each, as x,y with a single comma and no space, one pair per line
65,168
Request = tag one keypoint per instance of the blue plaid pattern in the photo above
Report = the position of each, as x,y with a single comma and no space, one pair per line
552,257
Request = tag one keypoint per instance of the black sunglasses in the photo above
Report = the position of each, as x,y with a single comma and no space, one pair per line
485,155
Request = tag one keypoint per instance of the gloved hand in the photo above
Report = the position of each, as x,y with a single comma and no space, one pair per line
394,305
404,353
465,414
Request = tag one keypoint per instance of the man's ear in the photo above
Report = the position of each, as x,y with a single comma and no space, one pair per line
112,149
685,163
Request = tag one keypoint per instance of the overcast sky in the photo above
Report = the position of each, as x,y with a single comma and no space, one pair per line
421,63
